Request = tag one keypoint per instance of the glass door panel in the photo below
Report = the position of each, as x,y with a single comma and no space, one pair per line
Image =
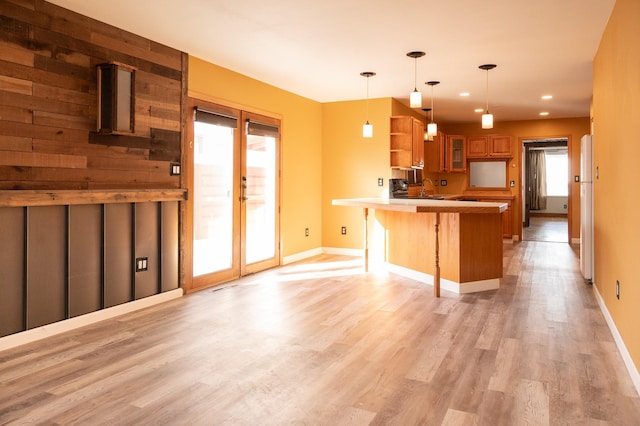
213,158
260,237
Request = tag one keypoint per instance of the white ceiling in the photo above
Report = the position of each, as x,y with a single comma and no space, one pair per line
317,49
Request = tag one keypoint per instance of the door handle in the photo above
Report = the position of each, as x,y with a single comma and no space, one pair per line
244,189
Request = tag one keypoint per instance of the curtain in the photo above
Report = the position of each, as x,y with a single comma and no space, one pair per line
538,180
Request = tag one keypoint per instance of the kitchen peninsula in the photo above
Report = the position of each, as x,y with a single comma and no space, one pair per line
427,239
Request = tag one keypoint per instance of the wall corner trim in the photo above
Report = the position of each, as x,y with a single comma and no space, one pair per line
626,356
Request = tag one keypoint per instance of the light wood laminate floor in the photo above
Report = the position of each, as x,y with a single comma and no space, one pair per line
546,228
320,343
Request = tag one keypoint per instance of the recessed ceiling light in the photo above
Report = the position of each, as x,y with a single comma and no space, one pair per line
465,94
546,97
478,110
544,113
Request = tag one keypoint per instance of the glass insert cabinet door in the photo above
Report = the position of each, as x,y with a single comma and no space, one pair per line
235,207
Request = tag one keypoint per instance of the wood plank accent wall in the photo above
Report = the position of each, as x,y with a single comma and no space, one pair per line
48,103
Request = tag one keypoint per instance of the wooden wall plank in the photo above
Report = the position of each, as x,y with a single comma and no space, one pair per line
17,158
15,143
113,196
16,85
48,102
22,115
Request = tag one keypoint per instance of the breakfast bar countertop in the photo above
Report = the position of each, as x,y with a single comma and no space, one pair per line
423,205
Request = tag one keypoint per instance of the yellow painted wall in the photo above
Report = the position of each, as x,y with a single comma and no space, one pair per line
573,128
616,123
301,145
351,165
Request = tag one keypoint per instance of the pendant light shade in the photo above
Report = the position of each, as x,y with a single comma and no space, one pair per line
487,118
487,121
426,129
367,128
432,127
415,97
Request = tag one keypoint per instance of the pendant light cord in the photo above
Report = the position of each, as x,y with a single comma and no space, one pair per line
367,99
433,112
487,93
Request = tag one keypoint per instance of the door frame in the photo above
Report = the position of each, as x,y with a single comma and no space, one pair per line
187,178
523,149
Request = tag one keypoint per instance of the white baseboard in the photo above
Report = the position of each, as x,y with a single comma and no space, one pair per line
28,336
301,256
343,251
626,356
470,287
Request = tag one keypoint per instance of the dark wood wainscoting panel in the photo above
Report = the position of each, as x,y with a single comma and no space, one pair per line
85,259
12,249
169,261
46,265
146,246
118,256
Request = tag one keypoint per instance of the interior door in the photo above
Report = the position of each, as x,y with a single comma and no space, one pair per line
234,194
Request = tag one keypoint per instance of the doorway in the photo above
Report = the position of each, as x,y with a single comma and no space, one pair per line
234,182
546,197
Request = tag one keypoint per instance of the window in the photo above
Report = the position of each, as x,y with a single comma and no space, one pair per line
557,168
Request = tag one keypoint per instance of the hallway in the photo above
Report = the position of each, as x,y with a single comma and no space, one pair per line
546,229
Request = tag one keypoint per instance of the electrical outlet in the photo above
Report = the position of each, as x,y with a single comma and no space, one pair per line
174,169
564,206
343,230
380,182
306,232
618,289
142,264
443,182
576,178
512,183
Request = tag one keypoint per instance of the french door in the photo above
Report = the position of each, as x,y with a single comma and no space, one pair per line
234,193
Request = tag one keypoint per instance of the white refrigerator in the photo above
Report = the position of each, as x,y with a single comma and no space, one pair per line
586,207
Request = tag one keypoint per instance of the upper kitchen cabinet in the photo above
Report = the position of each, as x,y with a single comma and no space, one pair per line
436,154
457,153
494,146
406,143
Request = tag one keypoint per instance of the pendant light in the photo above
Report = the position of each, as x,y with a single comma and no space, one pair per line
415,97
487,118
367,128
426,128
432,127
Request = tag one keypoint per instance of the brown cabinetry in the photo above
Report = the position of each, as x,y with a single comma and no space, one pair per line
446,154
493,146
507,226
457,155
406,143
435,153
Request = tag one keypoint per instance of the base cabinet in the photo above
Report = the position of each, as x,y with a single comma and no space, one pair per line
507,217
